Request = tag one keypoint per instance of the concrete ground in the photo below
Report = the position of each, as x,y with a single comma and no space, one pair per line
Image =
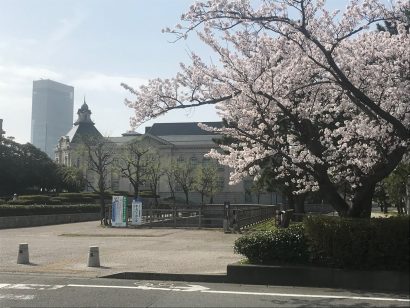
63,249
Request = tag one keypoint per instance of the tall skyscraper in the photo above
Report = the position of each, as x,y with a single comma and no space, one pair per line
51,113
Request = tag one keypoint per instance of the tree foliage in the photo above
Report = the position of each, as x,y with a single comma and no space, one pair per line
323,93
395,186
25,168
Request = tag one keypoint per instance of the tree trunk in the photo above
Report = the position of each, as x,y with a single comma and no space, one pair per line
186,196
362,202
102,210
136,191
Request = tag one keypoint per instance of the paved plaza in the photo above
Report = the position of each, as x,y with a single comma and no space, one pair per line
63,249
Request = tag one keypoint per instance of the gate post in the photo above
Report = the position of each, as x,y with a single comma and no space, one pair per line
226,221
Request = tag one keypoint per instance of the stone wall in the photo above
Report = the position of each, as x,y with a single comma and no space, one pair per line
42,220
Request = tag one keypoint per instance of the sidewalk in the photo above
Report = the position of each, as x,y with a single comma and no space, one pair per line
63,249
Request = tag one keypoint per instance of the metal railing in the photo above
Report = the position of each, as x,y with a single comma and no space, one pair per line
238,216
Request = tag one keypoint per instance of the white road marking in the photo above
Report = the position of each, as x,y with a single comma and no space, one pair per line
198,288
311,295
17,297
29,286
188,288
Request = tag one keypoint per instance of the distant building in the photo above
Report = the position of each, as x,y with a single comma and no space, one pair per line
52,113
2,132
180,142
64,152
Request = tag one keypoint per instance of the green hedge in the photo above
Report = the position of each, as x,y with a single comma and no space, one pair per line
20,202
377,243
24,210
277,246
35,198
364,244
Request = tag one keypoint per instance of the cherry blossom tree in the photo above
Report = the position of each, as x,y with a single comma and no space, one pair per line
323,92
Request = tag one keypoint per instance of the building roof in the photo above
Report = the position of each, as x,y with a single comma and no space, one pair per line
138,137
83,126
77,132
187,128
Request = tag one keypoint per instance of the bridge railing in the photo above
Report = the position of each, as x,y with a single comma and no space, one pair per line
207,216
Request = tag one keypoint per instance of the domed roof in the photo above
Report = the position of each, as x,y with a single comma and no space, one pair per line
84,114
84,107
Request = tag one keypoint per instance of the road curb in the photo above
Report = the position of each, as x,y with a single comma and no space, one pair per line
216,278
301,276
311,276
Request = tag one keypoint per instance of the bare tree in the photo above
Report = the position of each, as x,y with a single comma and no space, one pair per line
98,153
169,172
184,175
133,164
206,181
154,173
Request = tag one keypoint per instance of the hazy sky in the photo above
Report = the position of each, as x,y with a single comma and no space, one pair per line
93,45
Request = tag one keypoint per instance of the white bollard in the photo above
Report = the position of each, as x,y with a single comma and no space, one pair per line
23,257
94,257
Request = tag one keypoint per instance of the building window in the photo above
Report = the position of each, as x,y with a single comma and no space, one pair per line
180,159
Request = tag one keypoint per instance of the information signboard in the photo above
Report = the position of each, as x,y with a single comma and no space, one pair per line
119,211
136,212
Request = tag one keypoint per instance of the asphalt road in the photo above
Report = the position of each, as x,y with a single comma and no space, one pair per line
40,290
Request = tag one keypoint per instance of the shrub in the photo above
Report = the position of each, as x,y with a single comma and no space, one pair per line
55,201
147,194
35,198
2,201
377,243
78,197
121,193
277,246
20,202
71,197
90,195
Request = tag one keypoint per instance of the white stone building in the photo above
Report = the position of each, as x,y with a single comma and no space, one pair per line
173,141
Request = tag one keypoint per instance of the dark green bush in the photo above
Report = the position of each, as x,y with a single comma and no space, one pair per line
90,195
55,201
147,194
20,202
70,198
25,210
277,246
377,243
35,198
121,193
